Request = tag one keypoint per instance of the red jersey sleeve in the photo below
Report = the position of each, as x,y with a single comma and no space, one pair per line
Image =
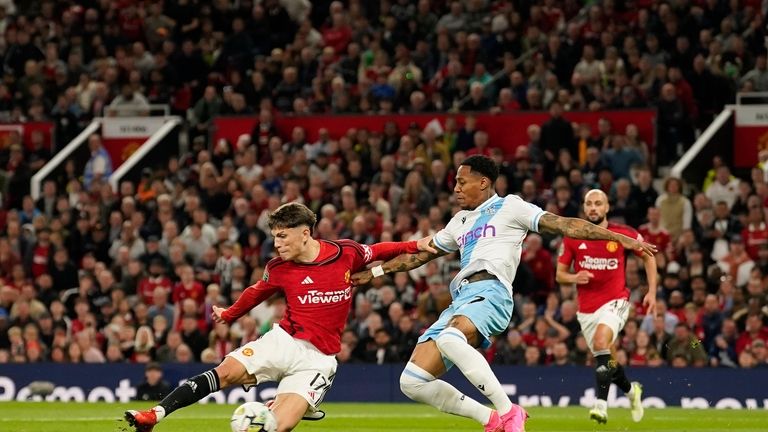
566,252
251,297
365,254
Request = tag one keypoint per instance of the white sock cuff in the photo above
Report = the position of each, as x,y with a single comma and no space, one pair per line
413,371
452,332
159,412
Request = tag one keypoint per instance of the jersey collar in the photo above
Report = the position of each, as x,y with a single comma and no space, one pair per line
487,202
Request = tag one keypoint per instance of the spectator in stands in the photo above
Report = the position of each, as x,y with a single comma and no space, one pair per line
129,103
724,188
621,158
760,353
674,127
99,166
754,329
687,347
208,107
511,350
153,387
736,263
676,210
556,134
758,76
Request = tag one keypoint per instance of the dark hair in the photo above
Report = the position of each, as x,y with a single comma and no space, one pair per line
291,215
483,165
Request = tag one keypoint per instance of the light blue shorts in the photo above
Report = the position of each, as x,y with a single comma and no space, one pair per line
486,303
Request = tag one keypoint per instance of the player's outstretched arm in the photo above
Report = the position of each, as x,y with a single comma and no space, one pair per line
651,273
400,263
581,229
252,296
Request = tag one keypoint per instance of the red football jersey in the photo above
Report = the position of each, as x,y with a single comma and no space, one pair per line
196,292
318,295
148,285
660,238
755,235
605,260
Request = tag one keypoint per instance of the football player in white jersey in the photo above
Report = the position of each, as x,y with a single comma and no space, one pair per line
488,233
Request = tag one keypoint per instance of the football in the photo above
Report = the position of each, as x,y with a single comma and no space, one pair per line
253,417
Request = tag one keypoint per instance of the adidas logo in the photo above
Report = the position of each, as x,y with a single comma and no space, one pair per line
307,280
582,246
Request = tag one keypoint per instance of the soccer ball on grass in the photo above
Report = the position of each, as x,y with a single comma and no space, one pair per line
253,417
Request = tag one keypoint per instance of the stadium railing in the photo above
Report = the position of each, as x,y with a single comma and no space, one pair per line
142,157
62,156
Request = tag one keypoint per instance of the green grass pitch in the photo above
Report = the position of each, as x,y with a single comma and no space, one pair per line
102,417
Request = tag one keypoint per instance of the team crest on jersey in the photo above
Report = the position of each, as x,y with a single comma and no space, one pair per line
346,277
490,211
265,277
247,352
612,246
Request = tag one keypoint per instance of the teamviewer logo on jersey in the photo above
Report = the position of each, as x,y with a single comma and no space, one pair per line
591,263
318,297
307,280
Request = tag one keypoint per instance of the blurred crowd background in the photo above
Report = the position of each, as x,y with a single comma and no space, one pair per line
95,275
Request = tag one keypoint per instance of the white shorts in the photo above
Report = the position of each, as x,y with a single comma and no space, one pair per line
614,314
295,364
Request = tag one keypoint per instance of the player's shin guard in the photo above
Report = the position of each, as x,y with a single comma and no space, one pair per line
191,391
454,346
421,386
620,379
603,373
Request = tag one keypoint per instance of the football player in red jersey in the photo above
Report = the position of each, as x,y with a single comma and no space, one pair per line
604,299
300,350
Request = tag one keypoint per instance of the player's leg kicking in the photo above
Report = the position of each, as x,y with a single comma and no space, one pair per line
229,372
600,330
303,382
452,340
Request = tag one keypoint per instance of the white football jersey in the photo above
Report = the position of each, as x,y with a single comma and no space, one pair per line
490,237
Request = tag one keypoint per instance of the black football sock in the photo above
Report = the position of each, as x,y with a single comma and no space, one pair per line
191,391
620,378
603,373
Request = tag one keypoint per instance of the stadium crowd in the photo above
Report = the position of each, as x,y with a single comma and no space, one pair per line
95,275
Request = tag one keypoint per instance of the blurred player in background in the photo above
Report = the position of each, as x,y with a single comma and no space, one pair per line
154,387
604,299
299,351
488,233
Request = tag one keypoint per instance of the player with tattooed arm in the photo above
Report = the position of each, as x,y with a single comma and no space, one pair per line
488,233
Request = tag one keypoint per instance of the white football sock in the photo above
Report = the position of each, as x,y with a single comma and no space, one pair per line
421,386
159,412
454,346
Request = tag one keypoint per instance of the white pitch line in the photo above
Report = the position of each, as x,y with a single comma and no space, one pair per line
343,416
540,415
